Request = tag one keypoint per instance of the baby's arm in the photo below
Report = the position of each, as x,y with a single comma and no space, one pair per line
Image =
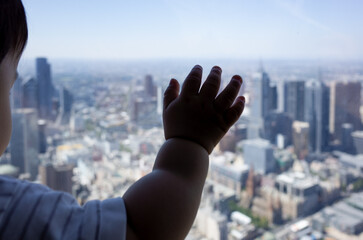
163,204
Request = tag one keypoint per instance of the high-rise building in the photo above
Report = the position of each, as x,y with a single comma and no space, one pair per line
358,141
24,141
77,123
57,177
55,108
260,105
300,138
144,112
317,115
240,131
294,92
273,97
45,88
42,125
344,106
149,87
30,93
66,102
17,94
278,123
258,153
251,183
347,138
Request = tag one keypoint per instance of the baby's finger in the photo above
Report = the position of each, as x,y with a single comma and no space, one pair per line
171,93
211,85
226,98
191,84
232,115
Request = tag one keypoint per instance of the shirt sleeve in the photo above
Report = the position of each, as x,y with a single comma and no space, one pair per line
33,211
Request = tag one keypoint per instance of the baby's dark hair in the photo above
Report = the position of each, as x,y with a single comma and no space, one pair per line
13,28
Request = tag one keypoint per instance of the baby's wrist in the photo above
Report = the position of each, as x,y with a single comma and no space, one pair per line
185,140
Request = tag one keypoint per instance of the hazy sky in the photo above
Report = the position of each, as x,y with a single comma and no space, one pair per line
117,29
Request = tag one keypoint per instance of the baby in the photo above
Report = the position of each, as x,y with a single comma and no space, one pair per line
161,205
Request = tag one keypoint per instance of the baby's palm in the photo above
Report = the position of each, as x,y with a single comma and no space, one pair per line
199,115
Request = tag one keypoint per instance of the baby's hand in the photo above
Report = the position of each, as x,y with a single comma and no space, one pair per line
198,115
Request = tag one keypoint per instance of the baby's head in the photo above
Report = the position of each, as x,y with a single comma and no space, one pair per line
13,37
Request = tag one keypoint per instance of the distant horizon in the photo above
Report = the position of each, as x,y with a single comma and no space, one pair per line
164,69
191,59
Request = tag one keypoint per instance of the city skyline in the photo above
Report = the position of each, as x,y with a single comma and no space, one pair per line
103,132
186,29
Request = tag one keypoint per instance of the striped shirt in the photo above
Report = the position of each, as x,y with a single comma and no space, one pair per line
33,211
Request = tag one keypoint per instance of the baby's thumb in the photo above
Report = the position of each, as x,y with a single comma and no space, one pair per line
171,93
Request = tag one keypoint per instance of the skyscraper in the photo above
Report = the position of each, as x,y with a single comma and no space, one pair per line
347,144
24,141
273,97
57,177
144,112
344,106
45,88
300,138
278,123
317,115
42,125
66,102
294,92
149,87
258,153
358,141
17,94
30,93
260,95
260,105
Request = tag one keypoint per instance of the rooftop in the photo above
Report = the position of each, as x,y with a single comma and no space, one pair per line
357,134
258,142
345,214
353,160
297,179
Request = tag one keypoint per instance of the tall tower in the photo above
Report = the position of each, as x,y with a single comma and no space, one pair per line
260,104
347,144
24,141
30,93
149,87
294,92
300,136
261,95
45,88
260,154
273,97
57,177
358,141
42,125
17,94
344,106
250,183
317,115
66,102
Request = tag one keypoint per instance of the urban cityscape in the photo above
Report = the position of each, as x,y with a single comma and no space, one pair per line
290,168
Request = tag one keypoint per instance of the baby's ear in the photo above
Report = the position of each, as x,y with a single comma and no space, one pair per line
171,93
